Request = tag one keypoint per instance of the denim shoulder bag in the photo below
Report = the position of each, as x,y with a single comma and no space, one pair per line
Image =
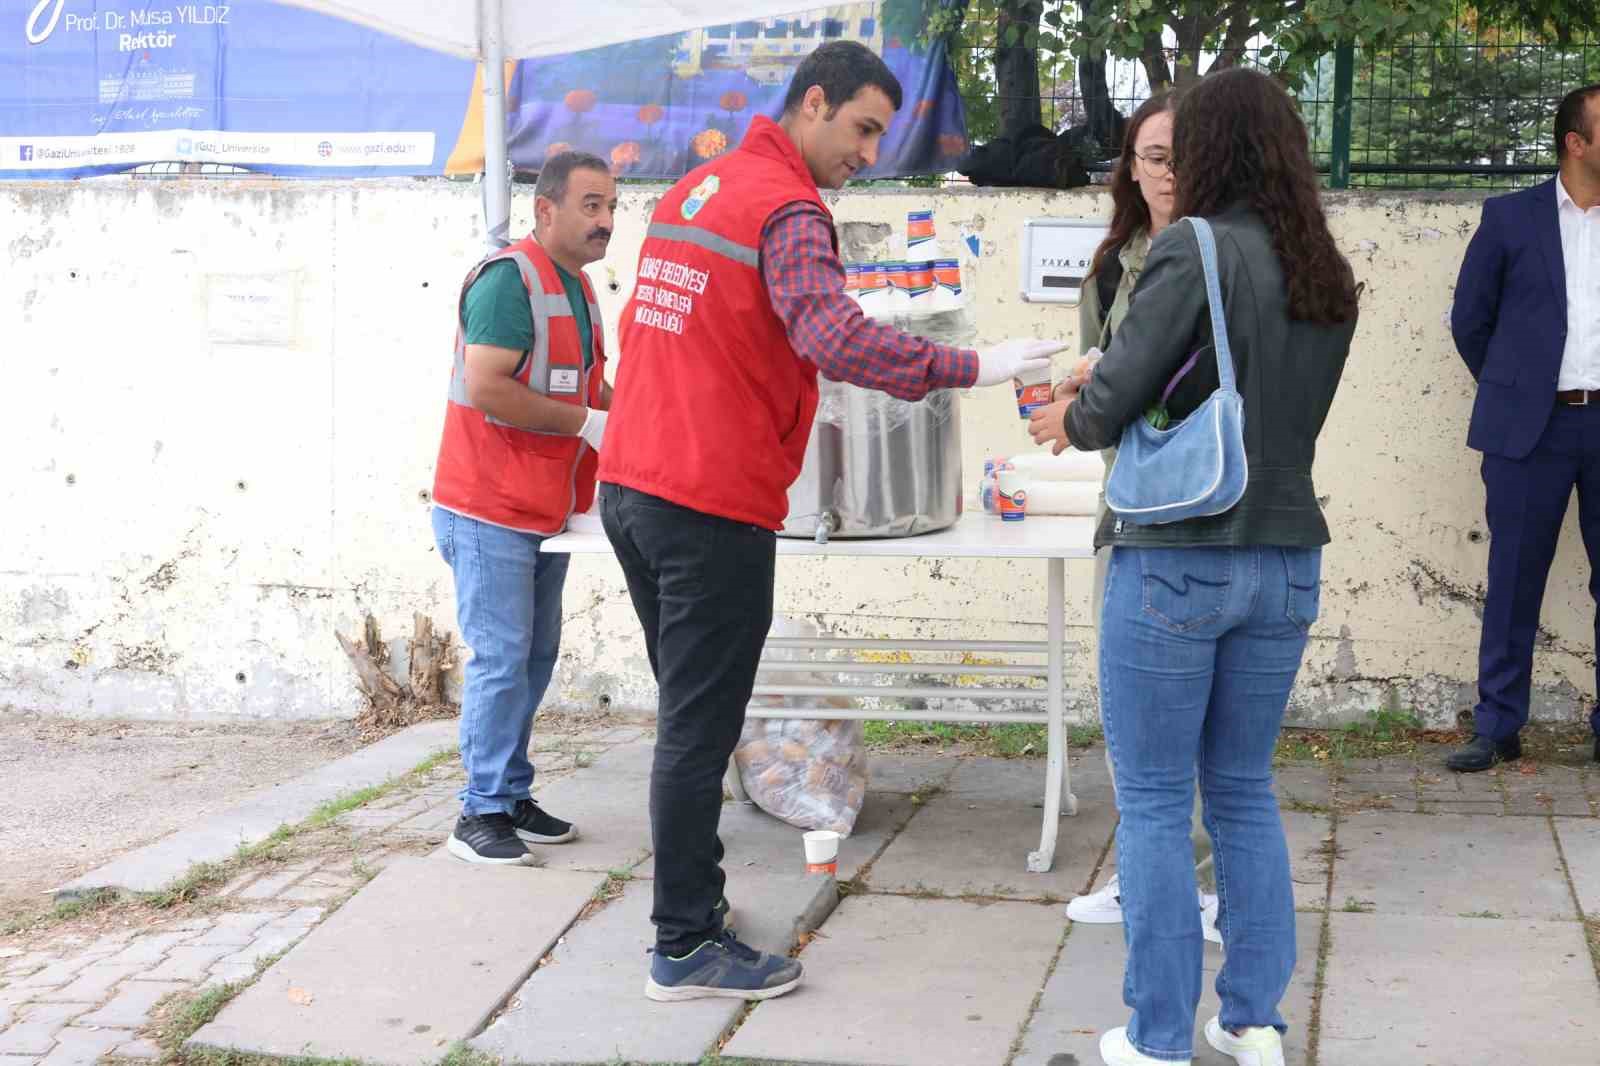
1195,467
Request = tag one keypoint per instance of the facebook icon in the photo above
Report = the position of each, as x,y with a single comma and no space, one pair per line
26,153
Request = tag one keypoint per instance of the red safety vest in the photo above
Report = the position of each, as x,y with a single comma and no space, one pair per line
712,408
502,474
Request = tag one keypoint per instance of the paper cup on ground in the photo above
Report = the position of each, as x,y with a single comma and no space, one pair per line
1013,492
1033,391
822,851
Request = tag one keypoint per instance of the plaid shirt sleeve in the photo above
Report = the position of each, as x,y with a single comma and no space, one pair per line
805,282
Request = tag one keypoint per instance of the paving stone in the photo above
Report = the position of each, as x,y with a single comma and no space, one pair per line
424,953
1580,843
1083,998
136,1049
83,1047
235,928
434,821
755,842
1403,990
610,805
35,1032
275,882
154,866
878,985
1485,806
1306,835
130,1007
93,984
587,1004
53,975
907,773
1445,865
1303,786
329,882
147,950
187,962
974,838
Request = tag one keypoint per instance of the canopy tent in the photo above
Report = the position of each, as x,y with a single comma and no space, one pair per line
497,31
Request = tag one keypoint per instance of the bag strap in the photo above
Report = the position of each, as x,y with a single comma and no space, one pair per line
1219,325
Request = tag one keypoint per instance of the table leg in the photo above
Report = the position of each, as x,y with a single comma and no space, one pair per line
735,784
1057,780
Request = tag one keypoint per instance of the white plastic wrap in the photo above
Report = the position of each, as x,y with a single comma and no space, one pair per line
810,774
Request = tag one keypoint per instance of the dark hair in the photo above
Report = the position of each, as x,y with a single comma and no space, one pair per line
553,176
1129,212
842,69
1237,138
1571,117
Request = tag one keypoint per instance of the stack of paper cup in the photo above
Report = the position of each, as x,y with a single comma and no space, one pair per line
822,851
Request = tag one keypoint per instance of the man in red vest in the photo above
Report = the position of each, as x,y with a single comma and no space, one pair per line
522,431
740,302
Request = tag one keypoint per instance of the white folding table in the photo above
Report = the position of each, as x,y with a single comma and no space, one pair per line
975,536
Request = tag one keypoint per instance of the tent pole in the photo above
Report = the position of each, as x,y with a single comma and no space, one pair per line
496,174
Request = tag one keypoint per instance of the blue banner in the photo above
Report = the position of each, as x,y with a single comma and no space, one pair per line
94,87
657,108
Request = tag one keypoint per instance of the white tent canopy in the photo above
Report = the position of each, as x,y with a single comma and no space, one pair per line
531,28
493,31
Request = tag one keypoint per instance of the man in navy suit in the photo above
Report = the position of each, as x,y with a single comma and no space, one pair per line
1526,320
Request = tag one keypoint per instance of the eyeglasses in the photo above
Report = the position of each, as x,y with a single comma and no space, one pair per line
1157,164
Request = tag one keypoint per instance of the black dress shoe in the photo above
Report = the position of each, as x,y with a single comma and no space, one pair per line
1483,753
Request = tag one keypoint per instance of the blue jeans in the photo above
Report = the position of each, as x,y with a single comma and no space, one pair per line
1199,648
508,607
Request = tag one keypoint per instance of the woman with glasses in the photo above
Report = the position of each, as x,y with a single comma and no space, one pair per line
1141,206
1204,621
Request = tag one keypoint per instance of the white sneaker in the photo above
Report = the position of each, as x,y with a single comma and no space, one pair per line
1208,918
1257,1046
1117,1050
1102,907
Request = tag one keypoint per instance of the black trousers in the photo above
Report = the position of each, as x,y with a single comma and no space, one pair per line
702,588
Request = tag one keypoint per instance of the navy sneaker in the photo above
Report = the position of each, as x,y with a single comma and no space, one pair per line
537,827
722,967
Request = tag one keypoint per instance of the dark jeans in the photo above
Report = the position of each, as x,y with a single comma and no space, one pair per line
702,588
1525,503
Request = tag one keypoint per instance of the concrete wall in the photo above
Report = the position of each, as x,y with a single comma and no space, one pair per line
222,404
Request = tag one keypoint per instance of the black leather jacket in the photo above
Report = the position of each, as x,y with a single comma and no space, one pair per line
1287,371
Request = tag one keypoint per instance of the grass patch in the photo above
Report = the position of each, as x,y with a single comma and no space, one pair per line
1358,906
1378,734
91,901
611,888
1480,914
1006,740
184,1014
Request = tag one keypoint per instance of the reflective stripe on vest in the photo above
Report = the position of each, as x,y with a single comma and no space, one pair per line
711,242
536,361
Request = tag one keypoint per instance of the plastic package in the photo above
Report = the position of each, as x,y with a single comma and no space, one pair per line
1070,465
1063,497
810,774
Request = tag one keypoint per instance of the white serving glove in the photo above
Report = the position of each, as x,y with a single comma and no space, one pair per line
1009,359
594,427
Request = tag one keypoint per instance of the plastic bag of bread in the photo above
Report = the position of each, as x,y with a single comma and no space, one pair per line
811,774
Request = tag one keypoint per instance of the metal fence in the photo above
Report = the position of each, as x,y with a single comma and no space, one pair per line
1469,106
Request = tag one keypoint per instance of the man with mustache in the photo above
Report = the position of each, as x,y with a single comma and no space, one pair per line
522,433
740,304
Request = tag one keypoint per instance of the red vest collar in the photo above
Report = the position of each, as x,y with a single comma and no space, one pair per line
766,138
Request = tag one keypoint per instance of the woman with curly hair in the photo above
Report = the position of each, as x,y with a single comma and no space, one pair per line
1142,191
1203,621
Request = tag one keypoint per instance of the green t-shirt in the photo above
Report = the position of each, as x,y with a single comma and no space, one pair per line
497,313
